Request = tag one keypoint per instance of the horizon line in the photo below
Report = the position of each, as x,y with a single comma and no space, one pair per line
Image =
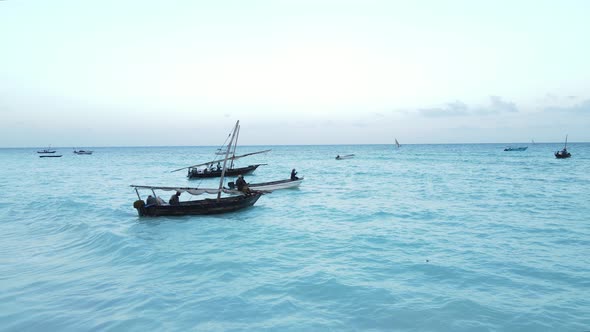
338,144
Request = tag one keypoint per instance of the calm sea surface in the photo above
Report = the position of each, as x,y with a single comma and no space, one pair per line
424,238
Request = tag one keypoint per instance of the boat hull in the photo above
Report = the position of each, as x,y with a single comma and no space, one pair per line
559,155
193,174
273,185
516,149
198,207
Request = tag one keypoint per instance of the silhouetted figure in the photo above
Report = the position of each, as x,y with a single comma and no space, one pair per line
151,200
174,199
242,185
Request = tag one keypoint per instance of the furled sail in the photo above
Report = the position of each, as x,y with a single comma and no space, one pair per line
192,191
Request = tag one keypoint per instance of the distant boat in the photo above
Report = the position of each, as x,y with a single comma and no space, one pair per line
82,152
520,148
50,156
151,206
271,186
48,150
397,145
563,153
347,156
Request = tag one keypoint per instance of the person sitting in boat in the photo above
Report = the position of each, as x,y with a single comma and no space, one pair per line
294,175
242,185
151,200
219,166
175,199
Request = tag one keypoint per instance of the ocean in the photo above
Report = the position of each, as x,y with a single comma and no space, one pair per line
462,237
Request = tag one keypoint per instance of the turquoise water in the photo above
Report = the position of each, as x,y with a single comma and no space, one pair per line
424,238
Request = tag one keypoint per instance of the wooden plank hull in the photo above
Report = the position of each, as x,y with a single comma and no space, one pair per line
193,174
198,207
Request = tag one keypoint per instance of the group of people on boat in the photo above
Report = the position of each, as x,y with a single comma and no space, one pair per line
156,200
209,169
241,185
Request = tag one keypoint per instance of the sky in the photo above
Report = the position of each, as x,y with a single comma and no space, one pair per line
181,72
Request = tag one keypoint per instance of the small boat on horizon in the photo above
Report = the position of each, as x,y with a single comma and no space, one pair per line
347,156
563,154
82,151
397,145
48,150
520,148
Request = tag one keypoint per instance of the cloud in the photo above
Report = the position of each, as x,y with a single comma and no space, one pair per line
579,108
497,105
456,108
500,106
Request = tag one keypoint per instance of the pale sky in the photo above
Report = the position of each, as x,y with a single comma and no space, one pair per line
129,72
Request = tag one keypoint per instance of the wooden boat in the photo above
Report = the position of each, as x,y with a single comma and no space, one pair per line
82,152
563,154
215,173
50,156
348,156
195,207
202,206
272,185
48,150
520,148
210,171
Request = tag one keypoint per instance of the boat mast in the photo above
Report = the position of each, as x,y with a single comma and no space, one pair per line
231,165
229,146
566,142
